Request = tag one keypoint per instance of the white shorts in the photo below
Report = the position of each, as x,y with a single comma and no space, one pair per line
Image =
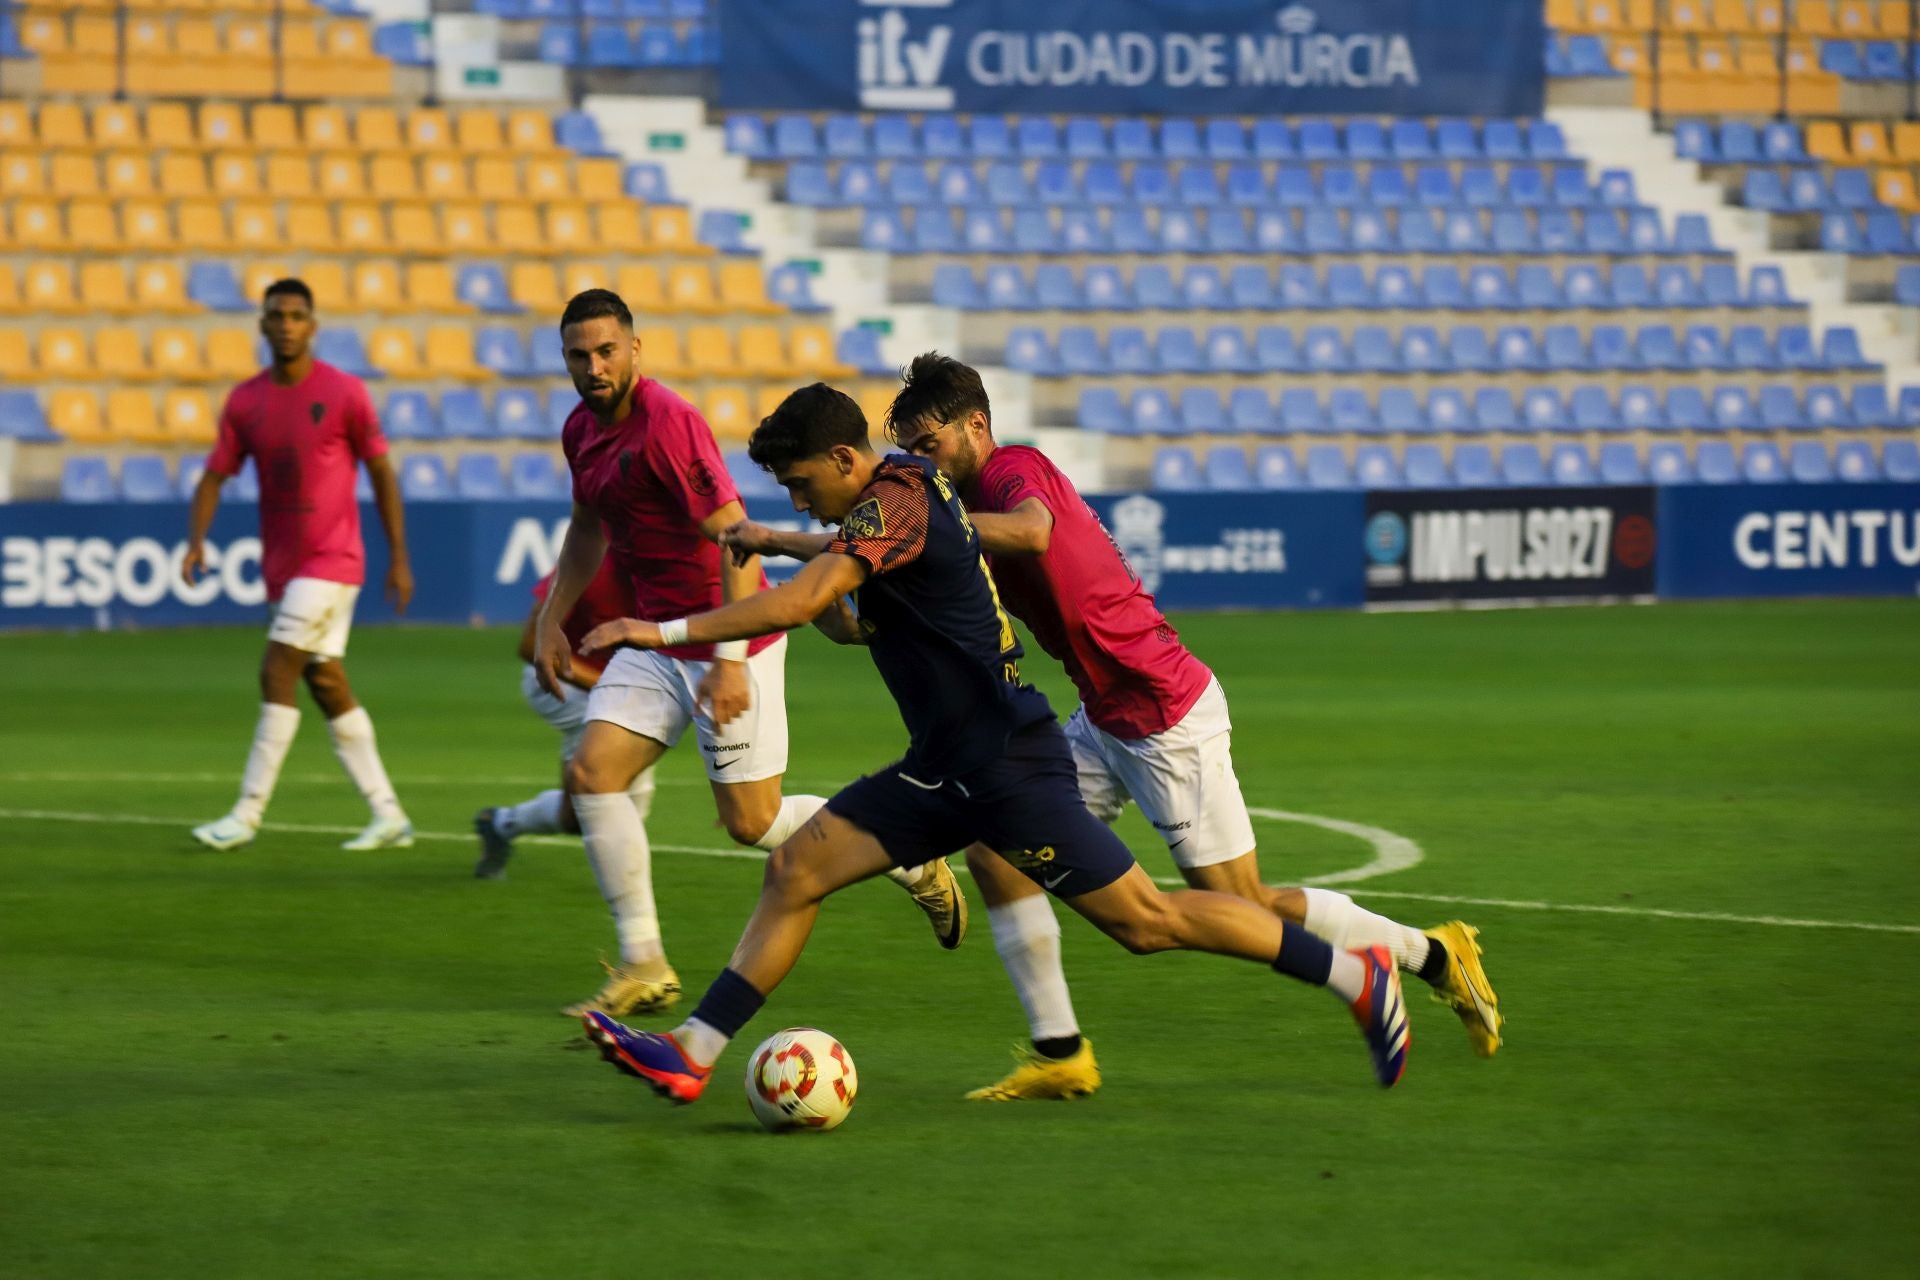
653,695
314,615
567,715
1181,778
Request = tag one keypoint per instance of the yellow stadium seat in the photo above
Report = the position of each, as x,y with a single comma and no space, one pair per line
327,277
463,229
1906,140
1687,15
196,41
1825,141
257,274
363,227
48,286
290,175
199,224
230,355
477,131
670,230
248,39
729,411
300,39
1813,18
391,350
430,287
619,224
598,179
351,64
159,286
119,353
1867,141
16,125
876,402
690,289
274,127
1895,187
516,229
578,277
810,352
22,173
169,125
37,225
255,226
1896,19
325,128
76,415
429,129
444,177
91,226
743,289
103,288
186,417
531,284
16,358
144,225
115,124
63,124
762,354
567,228
310,226
343,176
710,352
1566,16
223,126
392,177
378,129
236,173
530,131
43,33
660,355
414,230
62,353
547,179
127,173
147,41
639,284
183,175
74,173
91,64
449,353
497,178
9,290
176,356
768,398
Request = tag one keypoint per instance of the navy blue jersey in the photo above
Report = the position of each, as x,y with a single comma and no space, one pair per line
932,618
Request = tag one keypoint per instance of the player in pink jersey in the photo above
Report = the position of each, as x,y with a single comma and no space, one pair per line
1152,727
308,427
650,489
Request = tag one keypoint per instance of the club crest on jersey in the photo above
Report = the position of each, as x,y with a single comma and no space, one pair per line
864,521
626,462
316,411
700,478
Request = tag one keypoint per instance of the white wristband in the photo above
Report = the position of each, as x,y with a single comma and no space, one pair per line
673,633
730,651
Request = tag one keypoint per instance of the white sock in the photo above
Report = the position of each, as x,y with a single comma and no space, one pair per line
642,793
536,817
1027,936
794,812
622,861
1349,927
701,1043
360,757
1348,977
272,736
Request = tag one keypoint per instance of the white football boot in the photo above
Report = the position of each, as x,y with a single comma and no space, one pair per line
229,832
383,833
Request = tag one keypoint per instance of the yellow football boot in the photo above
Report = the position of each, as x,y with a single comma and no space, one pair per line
938,894
1465,988
1038,1077
627,993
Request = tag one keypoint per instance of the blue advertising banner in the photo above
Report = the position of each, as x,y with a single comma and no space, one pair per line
1789,540
1176,57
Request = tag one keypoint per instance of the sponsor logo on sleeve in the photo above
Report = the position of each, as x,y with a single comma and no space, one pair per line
864,521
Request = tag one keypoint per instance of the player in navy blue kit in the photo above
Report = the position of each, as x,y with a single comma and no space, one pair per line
986,760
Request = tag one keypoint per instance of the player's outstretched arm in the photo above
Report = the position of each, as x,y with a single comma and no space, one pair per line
747,539
581,552
1027,530
386,499
810,593
206,501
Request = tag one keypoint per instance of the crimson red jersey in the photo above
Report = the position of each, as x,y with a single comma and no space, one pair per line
305,440
1084,605
606,598
652,478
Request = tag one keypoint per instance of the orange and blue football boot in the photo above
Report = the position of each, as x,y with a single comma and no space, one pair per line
649,1056
1381,1012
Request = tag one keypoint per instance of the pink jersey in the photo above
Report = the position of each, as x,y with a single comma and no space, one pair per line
606,599
1084,605
306,441
652,478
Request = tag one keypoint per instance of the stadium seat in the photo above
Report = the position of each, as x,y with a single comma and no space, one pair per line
1175,470
1473,467
536,477
1327,468
1520,464
1668,464
1426,468
1760,463
1274,468
409,415
1374,467
86,478
144,477
1900,460
478,477
1227,469
1808,463
423,478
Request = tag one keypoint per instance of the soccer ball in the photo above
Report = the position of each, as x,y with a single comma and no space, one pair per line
801,1078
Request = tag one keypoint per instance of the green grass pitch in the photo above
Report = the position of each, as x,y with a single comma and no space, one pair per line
291,1061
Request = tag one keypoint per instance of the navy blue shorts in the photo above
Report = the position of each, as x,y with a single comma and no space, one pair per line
1025,806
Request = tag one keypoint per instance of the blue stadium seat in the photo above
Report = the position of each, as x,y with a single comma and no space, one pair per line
886,229
1054,182
1374,350
1250,288
214,286
1760,463
1128,351
1447,411
1411,140
1691,234
1399,411
21,418
1248,409
1086,139
1826,406
86,478
1421,352
1300,288
1764,191
561,402
1274,350
859,183
1535,289
1883,61
1668,464
343,349
1570,187
1587,57
423,478
1323,350
1101,410
1202,289
1520,464
1767,287
1469,350
1347,286
1808,463
1502,140
1227,351
545,356
893,139
484,285
1545,140
1620,464
1570,465
1034,232
1840,349
559,43
794,138
1494,409
845,137
464,415
1732,410
1780,143
1842,58
1104,184
1703,349
1036,137
1028,352
1871,406
1695,140
1796,349
1455,140
405,44
1200,411
1374,467
1348,412
534,477
1227,469
1175,470
942,138
1473,467
144,478
1299,412
1840,233
1175,350
746,135
1327,468
1426,468
1443,288
1395,288
1480,186
1640,408
609,45
409,415
1900,460
953,286
1542,410
1247,186
517,414
1563,347
1081,231
1154,289
792,287
1274,468
478,477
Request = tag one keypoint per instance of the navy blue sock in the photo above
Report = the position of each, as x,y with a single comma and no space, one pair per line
730,1003
1303,956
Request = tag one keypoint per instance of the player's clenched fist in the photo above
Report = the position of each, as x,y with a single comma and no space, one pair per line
746,540
553,659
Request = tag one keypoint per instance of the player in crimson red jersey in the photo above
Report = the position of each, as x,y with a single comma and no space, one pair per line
1152,726
651,492
307,426
607,597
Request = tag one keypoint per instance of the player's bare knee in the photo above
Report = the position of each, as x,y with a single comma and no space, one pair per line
1152,926
589,777
746,825
790,875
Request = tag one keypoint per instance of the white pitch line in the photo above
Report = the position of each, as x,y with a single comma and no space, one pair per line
1391,852
699,851
330,779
